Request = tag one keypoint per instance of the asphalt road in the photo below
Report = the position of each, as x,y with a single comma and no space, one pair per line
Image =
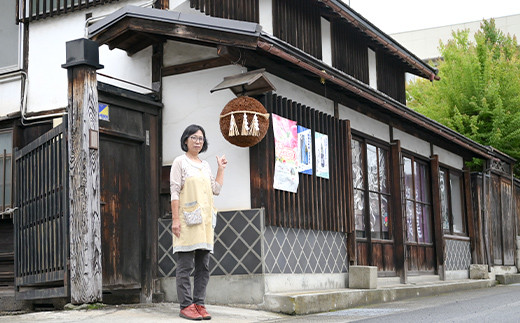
497,304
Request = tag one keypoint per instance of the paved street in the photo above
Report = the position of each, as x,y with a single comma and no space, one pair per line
496,304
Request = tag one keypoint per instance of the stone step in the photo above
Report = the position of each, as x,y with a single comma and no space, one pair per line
309,302
508,279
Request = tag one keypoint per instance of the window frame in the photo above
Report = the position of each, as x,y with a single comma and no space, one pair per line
421,160
19,47
367,190
11,169
448,171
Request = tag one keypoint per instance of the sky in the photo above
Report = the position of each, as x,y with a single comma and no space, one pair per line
393,16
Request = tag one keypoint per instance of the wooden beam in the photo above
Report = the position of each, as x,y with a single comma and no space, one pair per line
84,180
194,66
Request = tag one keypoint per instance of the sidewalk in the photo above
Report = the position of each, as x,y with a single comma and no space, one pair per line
140,313
291,303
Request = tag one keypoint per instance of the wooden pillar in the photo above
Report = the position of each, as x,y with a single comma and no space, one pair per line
437,217
472,233
350,216
84,172
398,224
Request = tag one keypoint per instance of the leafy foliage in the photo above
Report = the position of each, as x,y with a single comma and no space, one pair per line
479,91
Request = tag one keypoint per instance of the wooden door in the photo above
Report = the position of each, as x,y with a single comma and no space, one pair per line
122,178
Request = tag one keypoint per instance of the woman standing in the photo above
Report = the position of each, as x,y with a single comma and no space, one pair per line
192,187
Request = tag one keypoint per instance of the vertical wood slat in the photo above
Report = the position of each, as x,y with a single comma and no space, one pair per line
36,243
468,207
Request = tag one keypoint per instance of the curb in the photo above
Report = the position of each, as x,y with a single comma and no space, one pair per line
310,302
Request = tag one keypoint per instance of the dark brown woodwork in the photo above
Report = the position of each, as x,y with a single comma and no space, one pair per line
348,196
401,265
437,216
244,10
390,76
316,205
41,9
349,50
194,66
298,23
468,207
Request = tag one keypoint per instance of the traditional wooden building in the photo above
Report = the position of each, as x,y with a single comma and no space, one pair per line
398,195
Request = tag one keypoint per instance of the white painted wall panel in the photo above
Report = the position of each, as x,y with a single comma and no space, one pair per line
187,100
301,95
10,95
179,53
366,125
266,15
449,158
412,143
48,80
326,42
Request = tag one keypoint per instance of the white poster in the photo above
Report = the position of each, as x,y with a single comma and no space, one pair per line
322,155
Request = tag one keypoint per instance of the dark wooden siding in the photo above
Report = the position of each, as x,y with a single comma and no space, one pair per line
40,9
298,23
349,50
319,204
390,77
245,10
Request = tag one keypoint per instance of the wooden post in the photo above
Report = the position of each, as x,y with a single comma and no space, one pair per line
84,172
437,217
398,218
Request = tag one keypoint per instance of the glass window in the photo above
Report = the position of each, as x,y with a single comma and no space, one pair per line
375,187
418,205
9,37
452,206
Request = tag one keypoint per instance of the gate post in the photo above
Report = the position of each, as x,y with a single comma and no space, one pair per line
84,173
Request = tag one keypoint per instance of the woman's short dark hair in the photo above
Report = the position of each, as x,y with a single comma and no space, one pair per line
190,130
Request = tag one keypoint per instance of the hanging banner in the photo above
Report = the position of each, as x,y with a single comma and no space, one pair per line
304,150
285,151
322,155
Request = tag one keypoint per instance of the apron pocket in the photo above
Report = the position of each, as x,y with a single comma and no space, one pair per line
192,213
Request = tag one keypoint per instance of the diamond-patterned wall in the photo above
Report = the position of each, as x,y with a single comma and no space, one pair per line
238,248
238,244
457,255
297,251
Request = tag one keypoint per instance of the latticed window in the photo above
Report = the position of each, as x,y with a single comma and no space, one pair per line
418,201
371,190
452,206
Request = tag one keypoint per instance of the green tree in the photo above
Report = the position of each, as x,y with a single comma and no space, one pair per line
478,94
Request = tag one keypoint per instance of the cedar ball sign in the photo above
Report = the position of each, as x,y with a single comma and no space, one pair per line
244,121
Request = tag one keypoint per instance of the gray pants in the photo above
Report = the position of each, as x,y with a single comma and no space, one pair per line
185,265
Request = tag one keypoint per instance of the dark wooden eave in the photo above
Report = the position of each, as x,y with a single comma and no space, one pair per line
134,28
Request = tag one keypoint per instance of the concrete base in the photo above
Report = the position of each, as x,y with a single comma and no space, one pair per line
478,272
507,279
250,289
8,303
362,277
457,274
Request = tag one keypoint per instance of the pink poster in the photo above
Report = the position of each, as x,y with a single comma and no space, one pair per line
285,151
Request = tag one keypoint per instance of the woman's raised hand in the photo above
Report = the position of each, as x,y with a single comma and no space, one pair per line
222,162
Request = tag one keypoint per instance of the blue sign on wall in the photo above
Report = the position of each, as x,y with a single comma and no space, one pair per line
103,112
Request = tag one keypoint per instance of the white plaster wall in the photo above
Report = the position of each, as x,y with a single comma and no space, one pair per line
10,94
326,42
187,100
449,158
48,80
412,143
301,95
366,125
266,15
179,53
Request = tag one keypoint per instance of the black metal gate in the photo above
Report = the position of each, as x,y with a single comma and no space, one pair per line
41,221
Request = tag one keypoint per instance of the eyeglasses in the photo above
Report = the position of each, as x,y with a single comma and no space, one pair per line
197,139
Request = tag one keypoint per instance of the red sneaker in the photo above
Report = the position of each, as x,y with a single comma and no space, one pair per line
202,311
190,313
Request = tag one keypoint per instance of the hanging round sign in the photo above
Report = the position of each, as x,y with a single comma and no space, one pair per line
244,121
